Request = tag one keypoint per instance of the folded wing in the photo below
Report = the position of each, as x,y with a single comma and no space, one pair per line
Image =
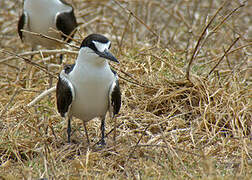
64,92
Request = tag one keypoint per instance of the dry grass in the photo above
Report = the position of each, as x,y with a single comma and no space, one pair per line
169,127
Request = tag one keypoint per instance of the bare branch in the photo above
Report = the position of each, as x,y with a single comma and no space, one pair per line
225,53
42,95
200,39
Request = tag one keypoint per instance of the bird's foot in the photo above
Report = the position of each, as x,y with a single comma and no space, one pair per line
102,143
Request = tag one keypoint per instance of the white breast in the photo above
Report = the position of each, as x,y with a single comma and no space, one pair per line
91,84
41,18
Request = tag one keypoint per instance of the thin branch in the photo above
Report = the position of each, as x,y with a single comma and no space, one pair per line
227,16
43,94
50,38
11,100
226,52
137,18
38,52
221,23
43,68
134,148
133,82
171,66
124,32
200,39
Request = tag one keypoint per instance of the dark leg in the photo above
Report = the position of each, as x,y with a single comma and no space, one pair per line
103,131
61,58
84,124
69,129
114,138
32,51
32,56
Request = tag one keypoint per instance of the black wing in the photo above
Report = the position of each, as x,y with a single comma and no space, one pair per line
64,92
115,95
21,23
66,22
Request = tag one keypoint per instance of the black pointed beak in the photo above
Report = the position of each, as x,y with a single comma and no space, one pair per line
107,55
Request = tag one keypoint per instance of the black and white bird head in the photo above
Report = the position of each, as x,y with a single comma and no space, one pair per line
95,49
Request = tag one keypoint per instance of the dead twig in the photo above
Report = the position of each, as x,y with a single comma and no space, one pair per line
225,53
45,51
227,16
221,23
194,54
135,80
11,100
43,68
39,97
50,38
134,148
228,53
137,18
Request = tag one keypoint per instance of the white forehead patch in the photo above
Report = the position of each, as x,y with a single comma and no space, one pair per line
101,46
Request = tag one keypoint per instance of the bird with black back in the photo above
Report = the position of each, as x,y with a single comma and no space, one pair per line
43,17
89,88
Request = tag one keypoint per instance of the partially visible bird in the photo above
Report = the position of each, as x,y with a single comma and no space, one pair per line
89,88
42,16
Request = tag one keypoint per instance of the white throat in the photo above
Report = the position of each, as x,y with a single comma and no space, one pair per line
88,58
91,78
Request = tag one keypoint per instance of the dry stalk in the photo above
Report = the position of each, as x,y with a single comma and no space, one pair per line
17,90
228,16
225,53
137,18
124,32
194,54
230,52
42,95
48,52
170,66
50,38
135,80
135,146
38,66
